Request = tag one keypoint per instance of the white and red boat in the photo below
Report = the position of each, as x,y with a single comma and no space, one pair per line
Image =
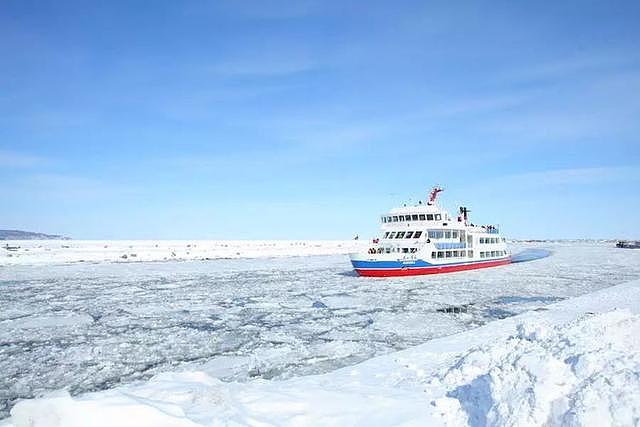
424,239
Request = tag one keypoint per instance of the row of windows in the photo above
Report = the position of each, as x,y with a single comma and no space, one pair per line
443,234
451,254
432,234
402,235
489,240
414,217
490,254
394,250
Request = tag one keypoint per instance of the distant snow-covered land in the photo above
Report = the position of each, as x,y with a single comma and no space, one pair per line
32,252
577,362
28,235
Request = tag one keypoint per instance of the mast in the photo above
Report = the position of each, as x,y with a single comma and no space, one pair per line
434,195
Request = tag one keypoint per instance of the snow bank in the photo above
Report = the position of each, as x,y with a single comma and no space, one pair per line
578,374
576,362
34,252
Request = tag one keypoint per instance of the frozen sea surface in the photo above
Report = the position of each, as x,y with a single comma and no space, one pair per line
87,327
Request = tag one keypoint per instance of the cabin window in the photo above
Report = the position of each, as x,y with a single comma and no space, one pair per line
384,219
438,217
435,234
422,217
447,234
463,253
454,234
440,254
409,234
414,217
395,218
405,250
392,235
386,235
387,250
413,250
400,235
433,254
470,253
417,234
448,254
493,253
400,218
481,254
455,254
429,217
482,240
388,219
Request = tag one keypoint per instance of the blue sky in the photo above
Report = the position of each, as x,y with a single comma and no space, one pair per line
308,119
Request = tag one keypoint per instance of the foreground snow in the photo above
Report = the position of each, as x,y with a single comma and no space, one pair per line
34,252
576,362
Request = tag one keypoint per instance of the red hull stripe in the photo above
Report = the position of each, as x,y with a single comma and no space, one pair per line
417,271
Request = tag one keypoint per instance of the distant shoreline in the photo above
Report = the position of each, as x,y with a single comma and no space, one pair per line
29,235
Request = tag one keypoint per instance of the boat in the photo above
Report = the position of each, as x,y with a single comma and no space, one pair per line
425,239
628,244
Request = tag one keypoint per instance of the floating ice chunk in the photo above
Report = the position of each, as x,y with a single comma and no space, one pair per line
48,321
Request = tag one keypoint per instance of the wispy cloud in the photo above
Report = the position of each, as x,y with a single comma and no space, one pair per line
74,188
261,9
568,176
13,159
261,65
580,65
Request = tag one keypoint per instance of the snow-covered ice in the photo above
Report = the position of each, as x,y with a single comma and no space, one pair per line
240,333
47,252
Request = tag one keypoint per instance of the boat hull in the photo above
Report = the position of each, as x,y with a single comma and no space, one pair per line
409,270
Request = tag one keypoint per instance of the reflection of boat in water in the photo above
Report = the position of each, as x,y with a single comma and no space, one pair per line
628,244
424,239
